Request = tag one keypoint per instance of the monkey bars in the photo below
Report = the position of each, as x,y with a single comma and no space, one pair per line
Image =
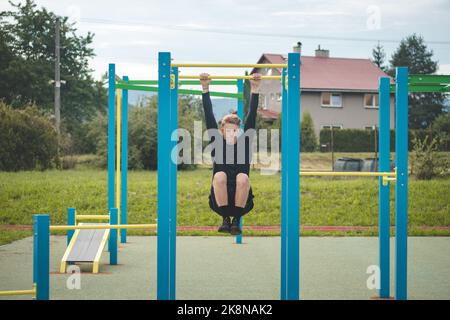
231,65
229,77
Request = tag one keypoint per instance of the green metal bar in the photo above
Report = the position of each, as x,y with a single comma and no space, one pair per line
425,88
180,91
429,79
136,87
150,82
212,93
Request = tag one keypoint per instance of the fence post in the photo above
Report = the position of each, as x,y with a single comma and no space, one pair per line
291,185
42,256
71,221
401,186
384,165
113,213
240,113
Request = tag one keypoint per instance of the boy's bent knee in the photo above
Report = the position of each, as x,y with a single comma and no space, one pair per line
242,180
220,178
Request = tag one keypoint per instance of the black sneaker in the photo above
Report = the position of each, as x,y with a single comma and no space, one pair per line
226,225
236,226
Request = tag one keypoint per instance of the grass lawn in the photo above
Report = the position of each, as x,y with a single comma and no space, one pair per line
324,201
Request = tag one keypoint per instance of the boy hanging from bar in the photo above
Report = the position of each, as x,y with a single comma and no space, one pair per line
231,194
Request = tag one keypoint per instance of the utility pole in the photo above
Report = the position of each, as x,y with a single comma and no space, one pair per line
57,80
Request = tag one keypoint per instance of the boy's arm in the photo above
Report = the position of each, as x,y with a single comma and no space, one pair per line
211,122
250,122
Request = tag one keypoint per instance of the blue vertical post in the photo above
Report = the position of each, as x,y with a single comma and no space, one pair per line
401,186
240,113
283,182
164,178
113,218
124,165
71,217
384,190
291,185
111,134
173,184
35,250
42,264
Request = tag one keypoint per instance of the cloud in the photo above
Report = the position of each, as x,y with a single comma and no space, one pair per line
144,43
310,13
444,69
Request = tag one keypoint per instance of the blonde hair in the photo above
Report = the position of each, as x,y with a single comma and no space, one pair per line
231,118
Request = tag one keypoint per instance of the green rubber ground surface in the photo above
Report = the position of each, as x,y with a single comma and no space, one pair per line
215,268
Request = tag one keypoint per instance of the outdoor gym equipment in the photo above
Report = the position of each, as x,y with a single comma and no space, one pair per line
290,178
168,89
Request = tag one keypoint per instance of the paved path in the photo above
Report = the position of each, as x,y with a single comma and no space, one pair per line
215,268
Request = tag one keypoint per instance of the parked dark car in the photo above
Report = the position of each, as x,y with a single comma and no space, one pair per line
348,164
371,165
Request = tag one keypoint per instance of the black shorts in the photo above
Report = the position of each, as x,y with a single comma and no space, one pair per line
231,187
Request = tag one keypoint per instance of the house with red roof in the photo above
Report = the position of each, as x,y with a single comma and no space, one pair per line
337,92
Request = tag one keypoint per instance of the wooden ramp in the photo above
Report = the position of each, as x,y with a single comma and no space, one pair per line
86,246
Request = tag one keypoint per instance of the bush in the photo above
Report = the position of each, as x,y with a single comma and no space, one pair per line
360,140
28,140
308,140
441,125
352,140
426,162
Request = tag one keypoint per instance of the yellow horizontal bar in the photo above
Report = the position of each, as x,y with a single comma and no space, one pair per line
347,174
18,292
230,77
92,217
106,226
230,65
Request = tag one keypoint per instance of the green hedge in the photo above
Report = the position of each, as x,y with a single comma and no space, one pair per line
28,140
359,140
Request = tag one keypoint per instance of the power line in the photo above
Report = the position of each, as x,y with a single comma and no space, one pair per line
246,33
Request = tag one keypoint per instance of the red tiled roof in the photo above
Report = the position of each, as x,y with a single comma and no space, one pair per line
268,114
318,73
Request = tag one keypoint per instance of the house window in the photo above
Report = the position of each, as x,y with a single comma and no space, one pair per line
369,127
334,126
371,100
279,96
272,96
330,99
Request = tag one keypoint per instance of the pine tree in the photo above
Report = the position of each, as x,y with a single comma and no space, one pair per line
308,140
379,56
414,54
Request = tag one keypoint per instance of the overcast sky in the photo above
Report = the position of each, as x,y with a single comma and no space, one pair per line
130,33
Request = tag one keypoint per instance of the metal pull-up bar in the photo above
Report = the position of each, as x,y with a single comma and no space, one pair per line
231,65
230,77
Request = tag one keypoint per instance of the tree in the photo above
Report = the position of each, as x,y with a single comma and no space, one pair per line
27,139
27,41
308,140
441,125
414,54
379,56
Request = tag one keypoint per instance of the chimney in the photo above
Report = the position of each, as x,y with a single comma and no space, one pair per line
297,48
322,53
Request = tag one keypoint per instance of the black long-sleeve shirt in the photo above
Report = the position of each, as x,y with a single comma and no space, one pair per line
242,149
